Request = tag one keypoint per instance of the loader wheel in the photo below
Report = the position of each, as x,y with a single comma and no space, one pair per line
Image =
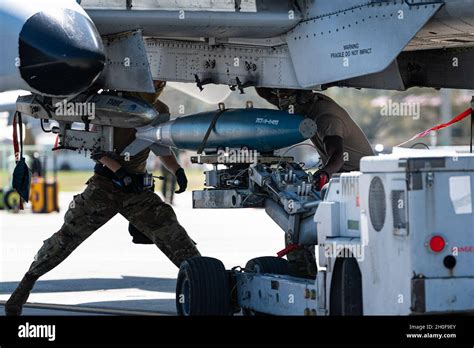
346,288
12,200
203,288
266,264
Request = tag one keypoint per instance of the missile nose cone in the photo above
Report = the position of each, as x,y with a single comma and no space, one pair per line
61,52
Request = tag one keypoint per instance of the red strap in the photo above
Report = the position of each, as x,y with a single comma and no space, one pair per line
458,118
56,143
323,180
288,249
16,147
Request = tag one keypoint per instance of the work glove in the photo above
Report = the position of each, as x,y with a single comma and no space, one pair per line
320,178
127,182
182,180
97,155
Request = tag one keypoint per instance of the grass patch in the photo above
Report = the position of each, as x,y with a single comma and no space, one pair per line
74,181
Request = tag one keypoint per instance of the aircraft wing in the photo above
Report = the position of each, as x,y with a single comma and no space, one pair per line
316,44
289,43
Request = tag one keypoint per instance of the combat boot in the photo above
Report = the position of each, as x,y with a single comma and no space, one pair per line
14,305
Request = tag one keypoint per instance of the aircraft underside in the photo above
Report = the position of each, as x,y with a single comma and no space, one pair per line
294,44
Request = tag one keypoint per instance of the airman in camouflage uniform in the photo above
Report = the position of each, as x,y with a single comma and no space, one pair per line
339,142
100,202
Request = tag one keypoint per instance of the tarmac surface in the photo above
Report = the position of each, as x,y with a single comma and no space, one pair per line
109,275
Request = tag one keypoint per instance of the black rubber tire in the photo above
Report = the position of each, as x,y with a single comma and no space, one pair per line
268,264
346,288
12,200
203,288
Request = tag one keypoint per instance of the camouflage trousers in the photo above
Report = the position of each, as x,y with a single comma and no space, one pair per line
302,262
99,203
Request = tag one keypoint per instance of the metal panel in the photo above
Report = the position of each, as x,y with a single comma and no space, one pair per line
386,269
223,64
219,199
277,295
432,213
399,203
127,66
186,18
219,5
321,282
352,43
109,4
398,210
443,295
327,220
389,78
84,141
189,5
325,8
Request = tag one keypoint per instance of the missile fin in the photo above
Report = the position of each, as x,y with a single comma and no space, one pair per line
160,150
161,118
136,146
